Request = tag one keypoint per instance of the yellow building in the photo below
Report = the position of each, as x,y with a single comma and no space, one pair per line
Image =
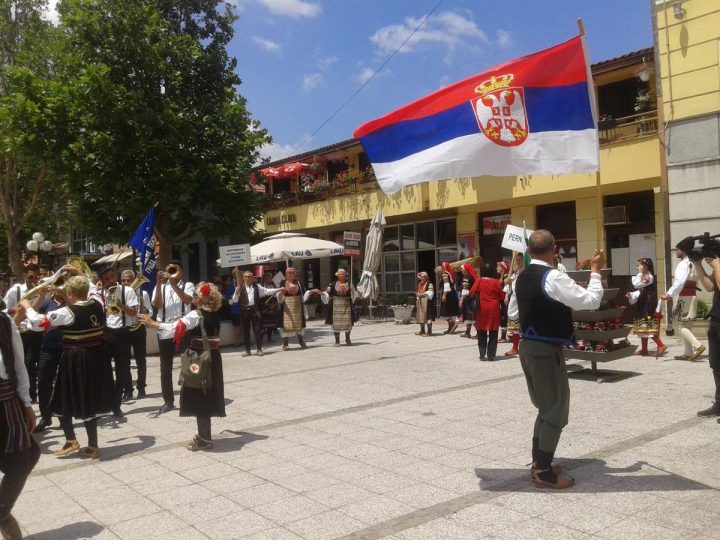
331,190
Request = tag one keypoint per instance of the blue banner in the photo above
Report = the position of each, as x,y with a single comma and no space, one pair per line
143,240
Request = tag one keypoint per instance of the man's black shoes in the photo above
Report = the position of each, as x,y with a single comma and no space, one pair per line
167,407
714,410
42,425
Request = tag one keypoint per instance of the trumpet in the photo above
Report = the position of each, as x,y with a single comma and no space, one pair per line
60,276
171,270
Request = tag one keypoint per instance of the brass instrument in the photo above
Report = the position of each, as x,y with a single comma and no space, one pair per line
172,269
79,263
112,301
139,281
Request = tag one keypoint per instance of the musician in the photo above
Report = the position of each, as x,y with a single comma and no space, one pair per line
84,386
18,450
248,295
31,338
338,298
121,308
425,304
50,355
138,333
172,298
293,312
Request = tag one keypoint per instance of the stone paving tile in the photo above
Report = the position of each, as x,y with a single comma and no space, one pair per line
440,528
537,528
376,509
175,497
260,494
339,495
199,511
158,523
276,533
237,525
421,495
232,482
114,512
160,484
291,509
384,481
325,526
634,527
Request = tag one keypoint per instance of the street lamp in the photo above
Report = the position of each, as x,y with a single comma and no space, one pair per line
39,243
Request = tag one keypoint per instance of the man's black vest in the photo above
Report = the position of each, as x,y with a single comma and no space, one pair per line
541,317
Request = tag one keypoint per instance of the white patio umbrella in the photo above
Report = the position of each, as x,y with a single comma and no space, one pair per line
284,246
368,285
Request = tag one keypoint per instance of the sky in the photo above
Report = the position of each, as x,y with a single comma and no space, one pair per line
300,60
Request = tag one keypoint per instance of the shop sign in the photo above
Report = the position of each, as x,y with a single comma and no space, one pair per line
495,224
351,243
514,239
281,219
237,255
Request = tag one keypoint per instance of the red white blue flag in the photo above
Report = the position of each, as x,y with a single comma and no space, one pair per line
532,115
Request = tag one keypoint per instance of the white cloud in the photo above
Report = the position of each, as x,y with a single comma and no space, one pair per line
325,63
274,151
51,13
311,81
266,44
448,28
503,39
366,73
293,8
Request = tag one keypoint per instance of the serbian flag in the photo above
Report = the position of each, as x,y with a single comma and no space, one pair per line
533,115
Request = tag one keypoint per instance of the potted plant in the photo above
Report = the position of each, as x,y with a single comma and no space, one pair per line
402,311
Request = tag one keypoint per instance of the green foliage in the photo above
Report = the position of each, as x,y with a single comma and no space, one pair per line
153,110
401,299
703,311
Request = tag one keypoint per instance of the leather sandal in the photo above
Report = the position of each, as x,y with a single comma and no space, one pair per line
198,443
89,452
561,482
286,348
661,351
68,448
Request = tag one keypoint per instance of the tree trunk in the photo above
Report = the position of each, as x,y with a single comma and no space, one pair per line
162,232
14,251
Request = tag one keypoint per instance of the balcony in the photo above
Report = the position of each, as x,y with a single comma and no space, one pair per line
321,191
625,128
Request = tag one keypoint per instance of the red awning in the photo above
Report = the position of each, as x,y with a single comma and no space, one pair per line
284,171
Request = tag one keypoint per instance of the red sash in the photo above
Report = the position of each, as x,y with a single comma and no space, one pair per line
688,289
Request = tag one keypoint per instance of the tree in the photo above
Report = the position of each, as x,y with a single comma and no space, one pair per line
155,116
28,123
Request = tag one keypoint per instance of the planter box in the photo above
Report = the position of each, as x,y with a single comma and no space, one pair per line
699,327
603,335
402,314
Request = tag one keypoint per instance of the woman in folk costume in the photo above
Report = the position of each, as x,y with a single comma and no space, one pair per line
467,314
84,386
338,297
487,317
645,299
293,311
200,403
503,270
425,304
449,299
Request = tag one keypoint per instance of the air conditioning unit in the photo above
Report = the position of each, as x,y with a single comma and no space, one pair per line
615,215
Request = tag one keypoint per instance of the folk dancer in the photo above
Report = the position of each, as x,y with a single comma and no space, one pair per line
645,299
425,304
449,304
271,313
339,300
503,271
711,282
31,339
546,298
18,450
293,310
487,317
84,387
468,315
121,308
248,295
172,298
137,333
511,302
202,404
683,286
50,355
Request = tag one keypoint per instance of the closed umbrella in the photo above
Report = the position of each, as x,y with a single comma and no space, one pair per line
284,246
368,286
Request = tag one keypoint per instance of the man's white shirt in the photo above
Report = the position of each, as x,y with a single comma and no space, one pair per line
173,307
561,287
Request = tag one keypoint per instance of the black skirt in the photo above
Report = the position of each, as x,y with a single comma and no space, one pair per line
84,387
449,308
195,402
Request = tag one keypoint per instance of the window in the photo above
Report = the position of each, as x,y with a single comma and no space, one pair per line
391,242
447,232
425,235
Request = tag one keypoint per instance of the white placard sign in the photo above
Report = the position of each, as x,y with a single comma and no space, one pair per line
513,238
237,255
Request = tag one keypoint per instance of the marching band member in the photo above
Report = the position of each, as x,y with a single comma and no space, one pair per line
137,333
248,295
84,386
202,404
172,298
424,304
683,286
338,298
293,311
121,307
18,450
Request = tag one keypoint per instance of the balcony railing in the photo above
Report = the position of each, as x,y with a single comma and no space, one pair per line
630,127
359,184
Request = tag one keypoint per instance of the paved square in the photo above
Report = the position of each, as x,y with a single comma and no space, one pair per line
394,437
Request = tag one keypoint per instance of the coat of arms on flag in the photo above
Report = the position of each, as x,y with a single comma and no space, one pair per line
500,111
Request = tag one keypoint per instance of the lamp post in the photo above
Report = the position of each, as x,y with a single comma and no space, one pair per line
39,245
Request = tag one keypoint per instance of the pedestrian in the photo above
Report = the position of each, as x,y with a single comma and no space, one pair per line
425,305
645,299
487,317
203,404
546,298
19,453
683,286
711,283
449,304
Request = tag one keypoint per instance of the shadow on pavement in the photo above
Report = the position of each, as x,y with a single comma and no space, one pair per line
233,444
113,452
612,479
82,529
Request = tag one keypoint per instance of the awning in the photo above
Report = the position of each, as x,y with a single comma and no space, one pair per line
109,259
284,171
